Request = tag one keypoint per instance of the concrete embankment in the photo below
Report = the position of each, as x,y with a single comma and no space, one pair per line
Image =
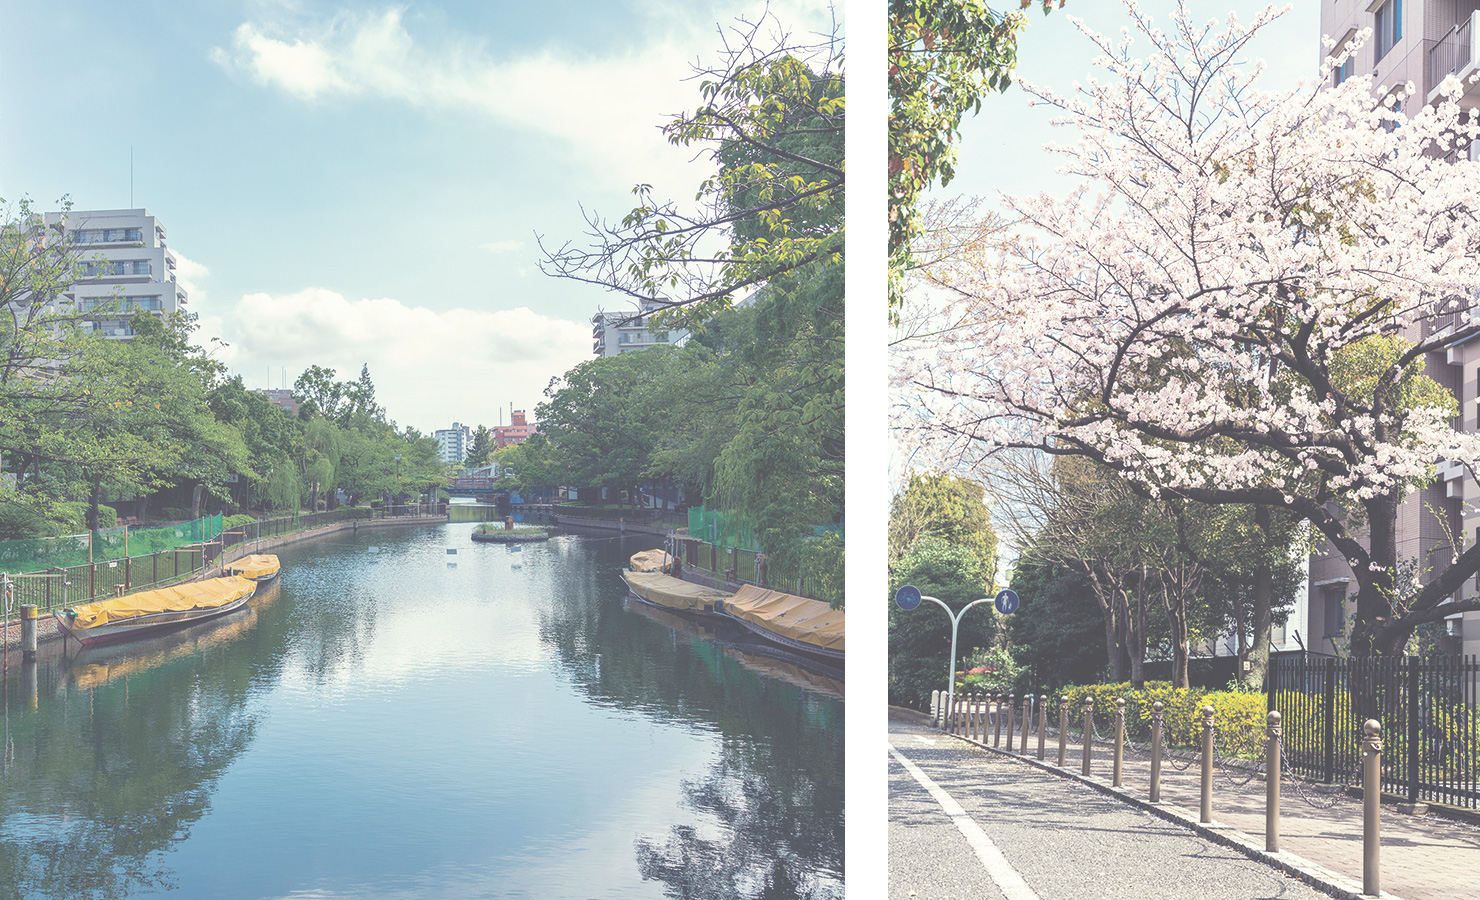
48,636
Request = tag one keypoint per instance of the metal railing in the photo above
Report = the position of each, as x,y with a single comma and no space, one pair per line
1430,705
1452,54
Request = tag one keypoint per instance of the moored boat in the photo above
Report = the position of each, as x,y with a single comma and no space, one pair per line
799,623
122,618
259,567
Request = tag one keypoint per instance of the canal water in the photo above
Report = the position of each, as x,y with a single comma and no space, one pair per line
393,720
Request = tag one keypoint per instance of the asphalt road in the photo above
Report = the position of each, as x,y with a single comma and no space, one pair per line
991,828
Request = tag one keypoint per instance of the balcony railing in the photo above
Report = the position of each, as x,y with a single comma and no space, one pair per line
1453,54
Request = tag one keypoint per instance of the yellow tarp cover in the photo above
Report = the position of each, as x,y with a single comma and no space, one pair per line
674,593
651,561
257,565
206,594
809,621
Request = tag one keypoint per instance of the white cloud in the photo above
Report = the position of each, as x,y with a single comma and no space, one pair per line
503,246
621,98
191,275
429,367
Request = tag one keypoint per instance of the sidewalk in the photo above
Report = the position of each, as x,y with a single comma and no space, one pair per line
1422,857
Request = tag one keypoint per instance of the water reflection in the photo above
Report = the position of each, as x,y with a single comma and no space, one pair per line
380,724
775,790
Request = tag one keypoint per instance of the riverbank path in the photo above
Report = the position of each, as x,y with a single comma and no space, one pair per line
961,814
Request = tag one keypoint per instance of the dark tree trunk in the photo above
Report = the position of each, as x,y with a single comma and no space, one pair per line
1263,598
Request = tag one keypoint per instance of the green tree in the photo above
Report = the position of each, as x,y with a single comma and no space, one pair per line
771,119
943,56
947,506
481,453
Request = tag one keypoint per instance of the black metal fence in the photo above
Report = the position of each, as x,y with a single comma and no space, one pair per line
1427,712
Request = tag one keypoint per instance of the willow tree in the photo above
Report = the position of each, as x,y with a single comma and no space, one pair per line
1236,307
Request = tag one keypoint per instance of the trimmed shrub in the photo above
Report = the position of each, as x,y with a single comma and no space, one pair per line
1238,716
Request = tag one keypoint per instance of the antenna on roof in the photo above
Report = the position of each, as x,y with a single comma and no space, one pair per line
130,176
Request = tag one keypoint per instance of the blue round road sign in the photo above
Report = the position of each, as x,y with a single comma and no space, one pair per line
907,597
1007,602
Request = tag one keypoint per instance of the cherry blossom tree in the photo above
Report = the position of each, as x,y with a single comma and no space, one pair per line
1236,306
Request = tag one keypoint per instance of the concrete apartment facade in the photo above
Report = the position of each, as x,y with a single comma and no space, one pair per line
1415,42
615,333
454,443
128,267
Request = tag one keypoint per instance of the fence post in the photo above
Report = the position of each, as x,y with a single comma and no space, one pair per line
1328,735
1042,722
1089,733
1412,761
1157,712
28,633
1371,802
1206,815
1023,744
1063,727
1272,775
1119,739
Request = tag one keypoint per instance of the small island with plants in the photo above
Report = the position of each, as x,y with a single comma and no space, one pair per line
519,534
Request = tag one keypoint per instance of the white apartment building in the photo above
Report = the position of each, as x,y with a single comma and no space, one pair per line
454,443
1417,41
128,267
617,333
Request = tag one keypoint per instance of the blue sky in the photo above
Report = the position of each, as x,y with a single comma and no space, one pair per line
354,183
1001,148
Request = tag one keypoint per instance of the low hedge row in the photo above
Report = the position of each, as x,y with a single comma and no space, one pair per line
1237,716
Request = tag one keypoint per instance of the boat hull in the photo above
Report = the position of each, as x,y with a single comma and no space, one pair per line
139,626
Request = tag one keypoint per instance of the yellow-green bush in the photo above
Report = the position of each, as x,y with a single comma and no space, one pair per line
1238,717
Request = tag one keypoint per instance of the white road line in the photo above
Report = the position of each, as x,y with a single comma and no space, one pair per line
1007,878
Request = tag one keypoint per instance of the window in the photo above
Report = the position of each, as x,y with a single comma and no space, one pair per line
1335,602
1388,27
1344,71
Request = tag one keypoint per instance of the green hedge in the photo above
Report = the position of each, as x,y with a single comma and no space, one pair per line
1238,716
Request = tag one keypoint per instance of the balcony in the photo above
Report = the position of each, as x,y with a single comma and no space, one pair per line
1454,54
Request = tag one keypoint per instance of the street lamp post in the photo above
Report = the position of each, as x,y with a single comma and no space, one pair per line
908,598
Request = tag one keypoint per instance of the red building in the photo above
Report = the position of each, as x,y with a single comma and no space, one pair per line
516,433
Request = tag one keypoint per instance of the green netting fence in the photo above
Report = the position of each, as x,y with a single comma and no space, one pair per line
722,529
104,545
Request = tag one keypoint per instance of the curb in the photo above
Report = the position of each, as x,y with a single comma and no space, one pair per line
1313,874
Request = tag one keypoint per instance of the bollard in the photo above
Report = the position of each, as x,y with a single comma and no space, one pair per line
1042,723
1011,715
935,708
1156,715
28,633
1023,746
1063,727
1206,815
1089,733
1272,775
976,715
1371,801
1119,740
997,723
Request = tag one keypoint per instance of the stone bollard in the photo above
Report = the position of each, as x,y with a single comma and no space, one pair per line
997,722
1206,814
1042,723
1011,715
1023,746
1157,712
1063,727
1371,802
1119,740
935,708
1089,734
28,633
1272,774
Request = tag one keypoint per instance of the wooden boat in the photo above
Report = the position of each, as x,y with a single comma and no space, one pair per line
799,623
122,618
259,567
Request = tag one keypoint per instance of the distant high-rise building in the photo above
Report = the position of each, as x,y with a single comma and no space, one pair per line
453,443
127,267
515,433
